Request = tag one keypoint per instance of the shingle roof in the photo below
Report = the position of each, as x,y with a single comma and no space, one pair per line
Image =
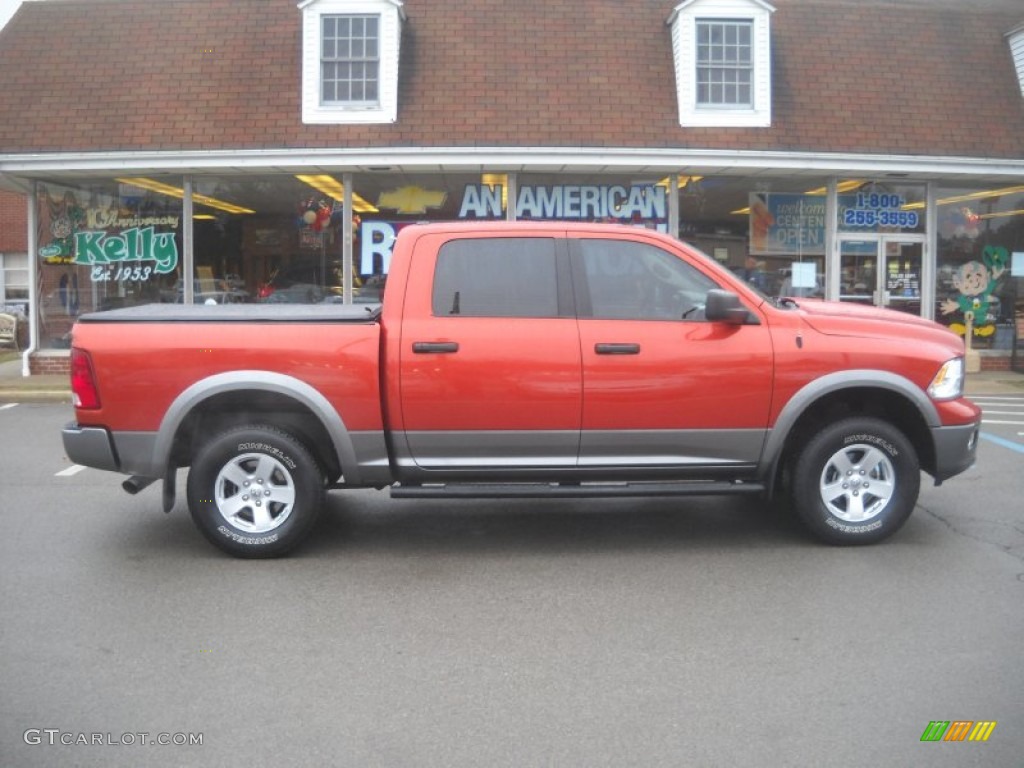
874,76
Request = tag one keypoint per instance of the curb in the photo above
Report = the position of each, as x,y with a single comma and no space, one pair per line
34,396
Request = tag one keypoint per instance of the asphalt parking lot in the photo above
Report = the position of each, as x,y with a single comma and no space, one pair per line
654,632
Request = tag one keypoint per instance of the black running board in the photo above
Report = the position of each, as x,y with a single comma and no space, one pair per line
570,490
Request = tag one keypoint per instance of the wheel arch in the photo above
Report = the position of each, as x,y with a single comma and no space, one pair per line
881,394
240,397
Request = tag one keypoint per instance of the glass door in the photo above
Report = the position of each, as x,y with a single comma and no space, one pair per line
901,288
858,270
882,271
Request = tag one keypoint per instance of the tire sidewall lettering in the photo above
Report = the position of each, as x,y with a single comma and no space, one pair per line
872,440
251,541
854,530
277,453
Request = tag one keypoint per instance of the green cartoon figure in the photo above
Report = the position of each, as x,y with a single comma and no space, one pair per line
976,281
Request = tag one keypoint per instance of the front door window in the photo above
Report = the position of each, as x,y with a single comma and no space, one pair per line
901,279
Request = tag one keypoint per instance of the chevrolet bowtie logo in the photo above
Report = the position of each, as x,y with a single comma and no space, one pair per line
411,200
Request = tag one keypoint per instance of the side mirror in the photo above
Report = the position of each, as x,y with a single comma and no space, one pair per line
725,307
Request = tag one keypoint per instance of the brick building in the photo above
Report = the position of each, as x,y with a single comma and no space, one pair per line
861,150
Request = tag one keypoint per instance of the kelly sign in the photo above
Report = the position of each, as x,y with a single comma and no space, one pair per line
101,248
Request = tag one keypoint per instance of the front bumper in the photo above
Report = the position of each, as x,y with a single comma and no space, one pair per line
955,449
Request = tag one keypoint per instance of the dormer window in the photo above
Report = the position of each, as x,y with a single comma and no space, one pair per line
725,63
350,60
722,52
1015,37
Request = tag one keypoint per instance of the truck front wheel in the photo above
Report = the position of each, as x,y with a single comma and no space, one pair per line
255,491
856,481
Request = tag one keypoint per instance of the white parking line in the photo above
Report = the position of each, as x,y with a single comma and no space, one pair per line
7,405
997,421
74,469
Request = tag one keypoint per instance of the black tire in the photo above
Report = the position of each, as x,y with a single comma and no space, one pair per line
856,481
226,471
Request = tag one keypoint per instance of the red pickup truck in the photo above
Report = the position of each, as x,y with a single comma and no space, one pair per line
524,360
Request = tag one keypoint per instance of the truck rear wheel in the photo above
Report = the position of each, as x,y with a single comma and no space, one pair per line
255,491
856,481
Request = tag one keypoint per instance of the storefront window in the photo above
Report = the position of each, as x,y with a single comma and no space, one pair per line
398,200
242,229
979,230
769,231
269,239
104,244
279,238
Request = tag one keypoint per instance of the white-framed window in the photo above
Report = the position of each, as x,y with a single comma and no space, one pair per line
350,60
350,54
725,63
722,56
13,280
1015,39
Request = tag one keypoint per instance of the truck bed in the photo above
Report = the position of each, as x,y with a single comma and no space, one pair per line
238,313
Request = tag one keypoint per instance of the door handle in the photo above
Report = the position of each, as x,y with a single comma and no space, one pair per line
434,347
617,349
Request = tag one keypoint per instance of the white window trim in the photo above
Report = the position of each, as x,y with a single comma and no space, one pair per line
392,15
1015,39
10,262
683,25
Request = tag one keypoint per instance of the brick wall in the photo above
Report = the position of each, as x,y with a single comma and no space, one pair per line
48,363
995,361
13,223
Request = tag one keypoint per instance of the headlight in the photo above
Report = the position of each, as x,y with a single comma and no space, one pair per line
948,383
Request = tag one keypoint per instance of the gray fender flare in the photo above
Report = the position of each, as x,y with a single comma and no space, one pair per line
267,381
835,382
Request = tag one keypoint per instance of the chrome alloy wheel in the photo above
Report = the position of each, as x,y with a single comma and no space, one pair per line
254,492
857,483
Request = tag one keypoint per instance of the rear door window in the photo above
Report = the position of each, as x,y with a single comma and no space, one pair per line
496,277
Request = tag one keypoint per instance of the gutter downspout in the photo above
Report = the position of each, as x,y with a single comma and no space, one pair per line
33,284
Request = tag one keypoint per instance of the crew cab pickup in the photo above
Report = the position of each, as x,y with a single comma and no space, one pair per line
524,360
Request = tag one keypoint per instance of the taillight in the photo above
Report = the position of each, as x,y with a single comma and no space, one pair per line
83,381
